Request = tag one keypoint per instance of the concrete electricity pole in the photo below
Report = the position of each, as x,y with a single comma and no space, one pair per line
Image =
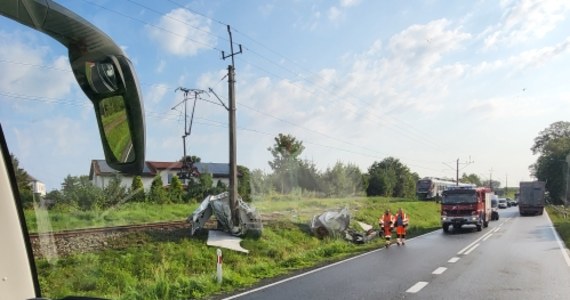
232,125
457,169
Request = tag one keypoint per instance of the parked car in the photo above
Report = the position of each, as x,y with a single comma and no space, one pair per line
503,203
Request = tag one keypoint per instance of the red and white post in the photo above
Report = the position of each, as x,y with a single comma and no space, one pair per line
219,266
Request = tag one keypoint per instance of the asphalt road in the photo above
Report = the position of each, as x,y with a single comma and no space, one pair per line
514,258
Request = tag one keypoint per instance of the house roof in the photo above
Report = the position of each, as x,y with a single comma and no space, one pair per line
216,169
151,168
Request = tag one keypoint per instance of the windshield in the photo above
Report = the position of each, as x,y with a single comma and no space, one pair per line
340,108
424,185
458,198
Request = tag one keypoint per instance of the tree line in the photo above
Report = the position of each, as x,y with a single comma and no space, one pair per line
79,192
552,145
291,174
388,177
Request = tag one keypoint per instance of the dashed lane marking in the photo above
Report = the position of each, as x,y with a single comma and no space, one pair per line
453,260
417,287
482,237
316,270
470,250
439,271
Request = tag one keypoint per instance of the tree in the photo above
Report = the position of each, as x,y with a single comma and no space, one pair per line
203,187
80,192
114,192
553,139
191,159
552,145
137,190
260,182
157,194
308,177
471,178
493,184
244,183
176,191
391,178
343,180
286,151
23,182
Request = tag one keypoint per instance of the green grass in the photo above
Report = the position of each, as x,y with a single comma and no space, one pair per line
561,224
154,266
127,214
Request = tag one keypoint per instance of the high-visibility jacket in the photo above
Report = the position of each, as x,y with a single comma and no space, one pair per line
403,217
386,220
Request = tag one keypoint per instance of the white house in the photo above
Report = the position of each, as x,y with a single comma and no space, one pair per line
101,174
38,187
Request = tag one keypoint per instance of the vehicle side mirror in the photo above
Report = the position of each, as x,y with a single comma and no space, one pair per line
102,70
112,87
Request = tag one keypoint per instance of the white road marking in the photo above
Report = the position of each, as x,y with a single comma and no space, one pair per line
317,270
439,271
417,287
453,260
487,237
563,249
470,250
474,242
482,237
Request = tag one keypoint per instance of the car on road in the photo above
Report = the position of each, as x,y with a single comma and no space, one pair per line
511,202
503,203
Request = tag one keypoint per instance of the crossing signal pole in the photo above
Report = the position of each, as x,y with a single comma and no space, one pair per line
232,128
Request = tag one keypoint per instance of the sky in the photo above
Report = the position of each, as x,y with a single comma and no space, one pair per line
427,82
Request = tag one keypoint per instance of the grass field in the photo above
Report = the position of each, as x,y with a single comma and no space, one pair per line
149,266
126,214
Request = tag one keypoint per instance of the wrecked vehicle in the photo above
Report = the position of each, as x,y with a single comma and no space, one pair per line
219,205
335,224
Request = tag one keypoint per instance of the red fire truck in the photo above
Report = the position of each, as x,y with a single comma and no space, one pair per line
466,205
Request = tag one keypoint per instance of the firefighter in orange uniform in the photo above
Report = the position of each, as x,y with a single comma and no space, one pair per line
386,223
401,221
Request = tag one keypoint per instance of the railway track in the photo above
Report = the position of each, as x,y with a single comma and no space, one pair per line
66,242
112,229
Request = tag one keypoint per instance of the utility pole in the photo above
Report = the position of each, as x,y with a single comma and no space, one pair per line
506,184
491,179
457,173
186,170
457,169
232,129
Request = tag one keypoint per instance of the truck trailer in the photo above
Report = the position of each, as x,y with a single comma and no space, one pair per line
531,197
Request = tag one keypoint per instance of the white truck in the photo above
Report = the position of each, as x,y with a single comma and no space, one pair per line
531,197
